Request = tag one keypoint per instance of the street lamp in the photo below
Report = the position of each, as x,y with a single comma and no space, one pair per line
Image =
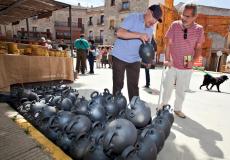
219,54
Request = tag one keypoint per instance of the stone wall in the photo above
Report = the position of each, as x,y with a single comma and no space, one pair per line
97,26
117,14
77,12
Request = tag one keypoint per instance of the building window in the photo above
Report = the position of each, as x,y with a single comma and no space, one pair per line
101,34
111,24
34,29
125,5
90,21
112,2
48,33
79,22
102,19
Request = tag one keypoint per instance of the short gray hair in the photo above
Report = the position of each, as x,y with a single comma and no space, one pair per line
190,6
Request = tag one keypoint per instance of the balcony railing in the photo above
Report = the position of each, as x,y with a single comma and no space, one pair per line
34,35
100,23
80,25
99,39
63,36
90,23
64,24
126,9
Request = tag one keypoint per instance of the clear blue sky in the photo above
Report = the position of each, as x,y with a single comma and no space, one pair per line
215,3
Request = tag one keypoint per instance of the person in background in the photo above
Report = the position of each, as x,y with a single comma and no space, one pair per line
148,66
42,41
98,57
15,38
184,39
82,47
147,75
104,59
48,44
63,45
137,28
91,56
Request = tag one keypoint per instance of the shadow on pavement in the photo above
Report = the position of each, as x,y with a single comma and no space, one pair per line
214,91
152,91
173,151
207,137
218,92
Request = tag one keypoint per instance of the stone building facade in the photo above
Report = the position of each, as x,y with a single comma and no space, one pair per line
56,25
95,24
62,24
98,23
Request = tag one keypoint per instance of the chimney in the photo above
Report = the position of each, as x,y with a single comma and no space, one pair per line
79,4
91,6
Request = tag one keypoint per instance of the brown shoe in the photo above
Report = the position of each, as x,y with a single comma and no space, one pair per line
180,114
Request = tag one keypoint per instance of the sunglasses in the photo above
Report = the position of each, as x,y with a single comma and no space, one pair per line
185,33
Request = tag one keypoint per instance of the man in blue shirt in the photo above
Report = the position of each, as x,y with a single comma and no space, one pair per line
135,30
82,47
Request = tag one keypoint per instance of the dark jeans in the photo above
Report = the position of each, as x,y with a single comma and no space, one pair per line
81,62
147,76
110,61
132,73
91,63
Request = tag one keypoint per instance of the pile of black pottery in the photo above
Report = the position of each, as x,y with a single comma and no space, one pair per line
102,128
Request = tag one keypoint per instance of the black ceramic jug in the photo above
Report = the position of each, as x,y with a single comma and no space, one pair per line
147,52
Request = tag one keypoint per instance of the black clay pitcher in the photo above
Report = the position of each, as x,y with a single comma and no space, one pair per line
147,52
119,134
138,113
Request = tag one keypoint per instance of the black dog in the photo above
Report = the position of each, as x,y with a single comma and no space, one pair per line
208,79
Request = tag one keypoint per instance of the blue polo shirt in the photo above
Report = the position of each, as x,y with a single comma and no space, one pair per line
128,50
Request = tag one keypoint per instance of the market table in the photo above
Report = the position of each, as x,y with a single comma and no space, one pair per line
16,69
